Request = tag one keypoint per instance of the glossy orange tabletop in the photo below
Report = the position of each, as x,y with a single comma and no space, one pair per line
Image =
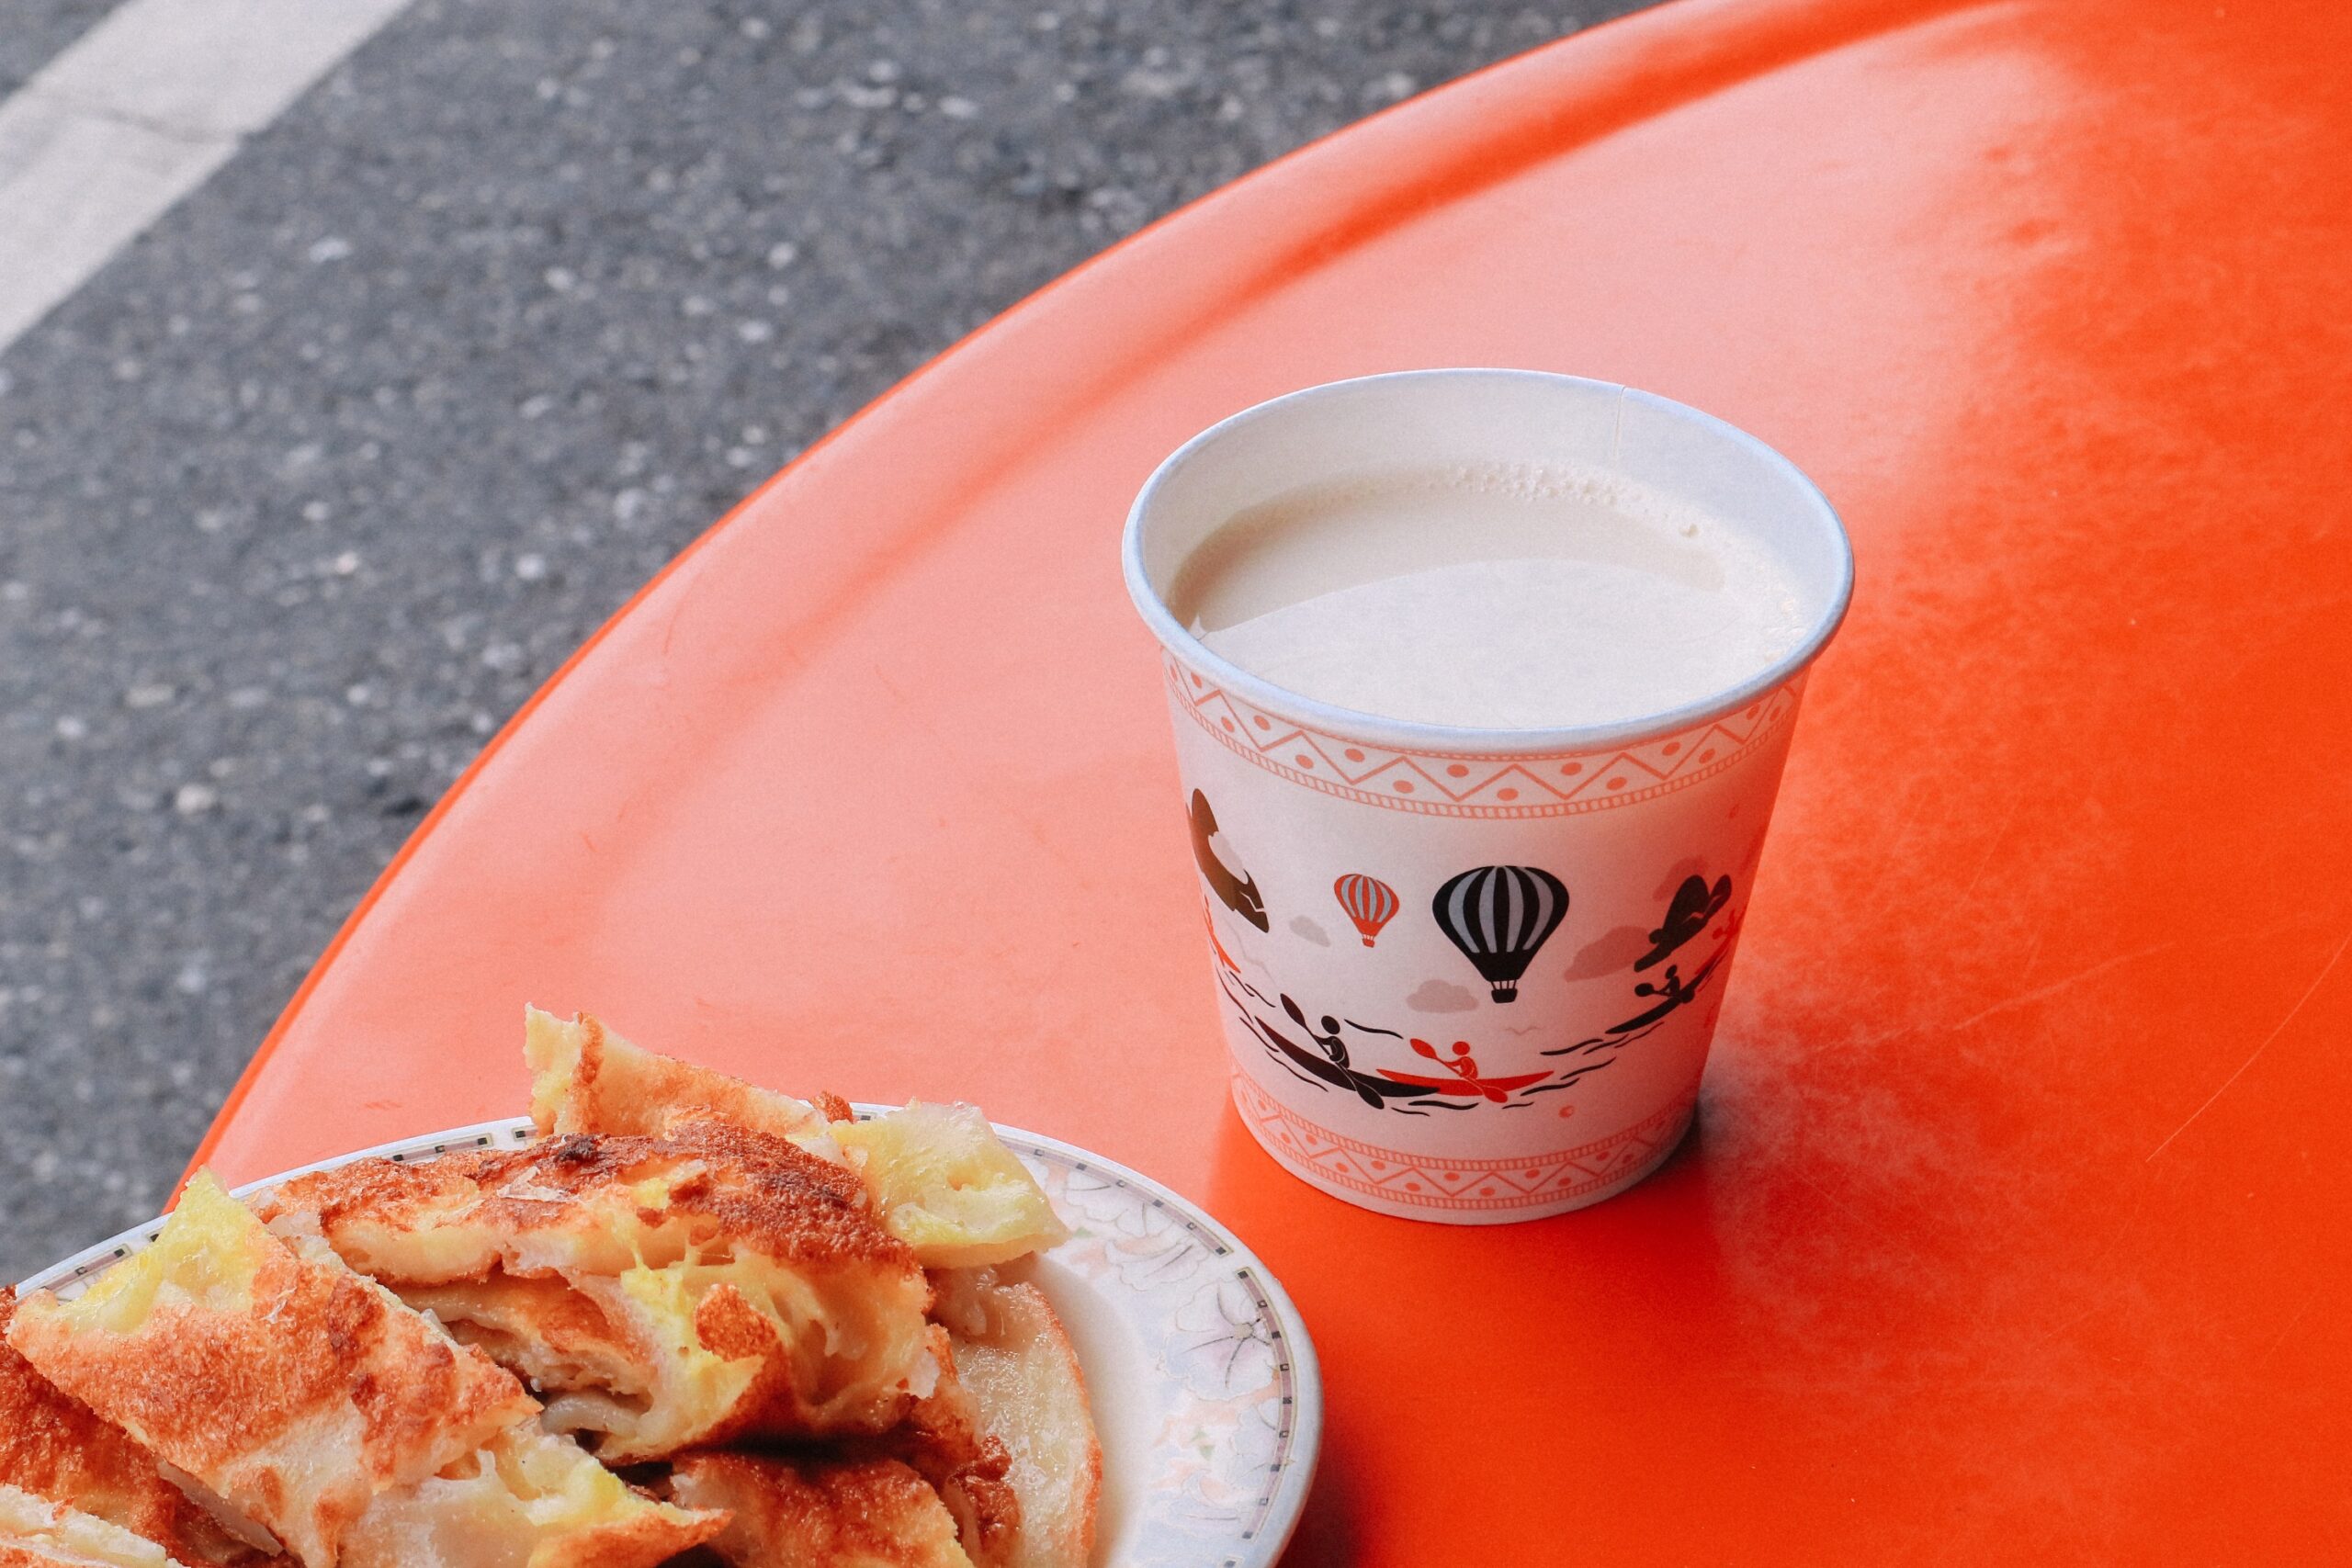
2015,1228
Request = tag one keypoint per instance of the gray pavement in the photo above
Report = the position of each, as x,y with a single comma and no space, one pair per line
32,31
305,493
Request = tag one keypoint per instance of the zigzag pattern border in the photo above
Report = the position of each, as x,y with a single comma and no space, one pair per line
1423,1181
1462,783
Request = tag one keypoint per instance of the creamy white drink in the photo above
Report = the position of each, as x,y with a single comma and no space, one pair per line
1508,597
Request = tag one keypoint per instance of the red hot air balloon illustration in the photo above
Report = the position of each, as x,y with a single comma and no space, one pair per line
1499,915
1370,903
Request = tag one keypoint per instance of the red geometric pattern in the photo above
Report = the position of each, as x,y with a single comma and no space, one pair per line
1450,784
1425,1182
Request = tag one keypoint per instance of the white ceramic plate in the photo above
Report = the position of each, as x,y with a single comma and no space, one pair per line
1200,1374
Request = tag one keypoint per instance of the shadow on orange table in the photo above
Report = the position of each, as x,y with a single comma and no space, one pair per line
1561,1307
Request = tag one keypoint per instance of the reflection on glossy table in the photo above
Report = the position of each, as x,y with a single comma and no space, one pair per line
2015,1228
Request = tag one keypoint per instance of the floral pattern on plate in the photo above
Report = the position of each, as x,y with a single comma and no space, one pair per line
1237,1410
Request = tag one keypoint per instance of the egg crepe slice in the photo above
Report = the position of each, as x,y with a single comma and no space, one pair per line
55,1448
288,1385
944,1183
36,1532
323,1409
1017,1381
585,1078
820,1513
526,1499
949,1188
945,1439
709,1284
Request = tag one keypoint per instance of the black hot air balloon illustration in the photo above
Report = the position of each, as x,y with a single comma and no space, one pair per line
1499,915
1369,902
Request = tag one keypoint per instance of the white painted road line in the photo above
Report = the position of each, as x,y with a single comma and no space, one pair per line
137,112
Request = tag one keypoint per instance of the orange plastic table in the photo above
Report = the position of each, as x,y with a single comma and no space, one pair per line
2016,1228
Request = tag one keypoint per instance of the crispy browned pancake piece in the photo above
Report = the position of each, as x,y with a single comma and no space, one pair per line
1014,1364
701,1188
814,1512
526,1500
948,1185
554,1337
54,1447
942,1181
36,1532
944,1439
711,1284
585,1078
287,1384
31,1554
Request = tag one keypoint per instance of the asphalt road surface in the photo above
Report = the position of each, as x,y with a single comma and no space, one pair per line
305,491
33,30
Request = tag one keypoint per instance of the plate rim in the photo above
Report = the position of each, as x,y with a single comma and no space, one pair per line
1292,1485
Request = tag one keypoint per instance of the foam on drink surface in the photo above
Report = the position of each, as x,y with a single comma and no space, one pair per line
1508,597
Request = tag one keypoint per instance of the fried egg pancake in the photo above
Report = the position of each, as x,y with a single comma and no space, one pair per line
526,1500
819,1513
945,1439
56,1447
685,1262
944,1183
290,1386
1014,1364
36,1532
710,1284
949,1188
1010,1450
585,1078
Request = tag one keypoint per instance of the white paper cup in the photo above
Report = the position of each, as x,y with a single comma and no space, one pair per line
1470,974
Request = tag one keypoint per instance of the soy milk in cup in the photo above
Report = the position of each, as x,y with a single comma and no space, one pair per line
1482,683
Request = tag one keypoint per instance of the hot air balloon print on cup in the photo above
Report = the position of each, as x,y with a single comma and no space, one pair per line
1499,916
1369,902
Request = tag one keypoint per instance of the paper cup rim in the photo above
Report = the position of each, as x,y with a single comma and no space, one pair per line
1420,735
